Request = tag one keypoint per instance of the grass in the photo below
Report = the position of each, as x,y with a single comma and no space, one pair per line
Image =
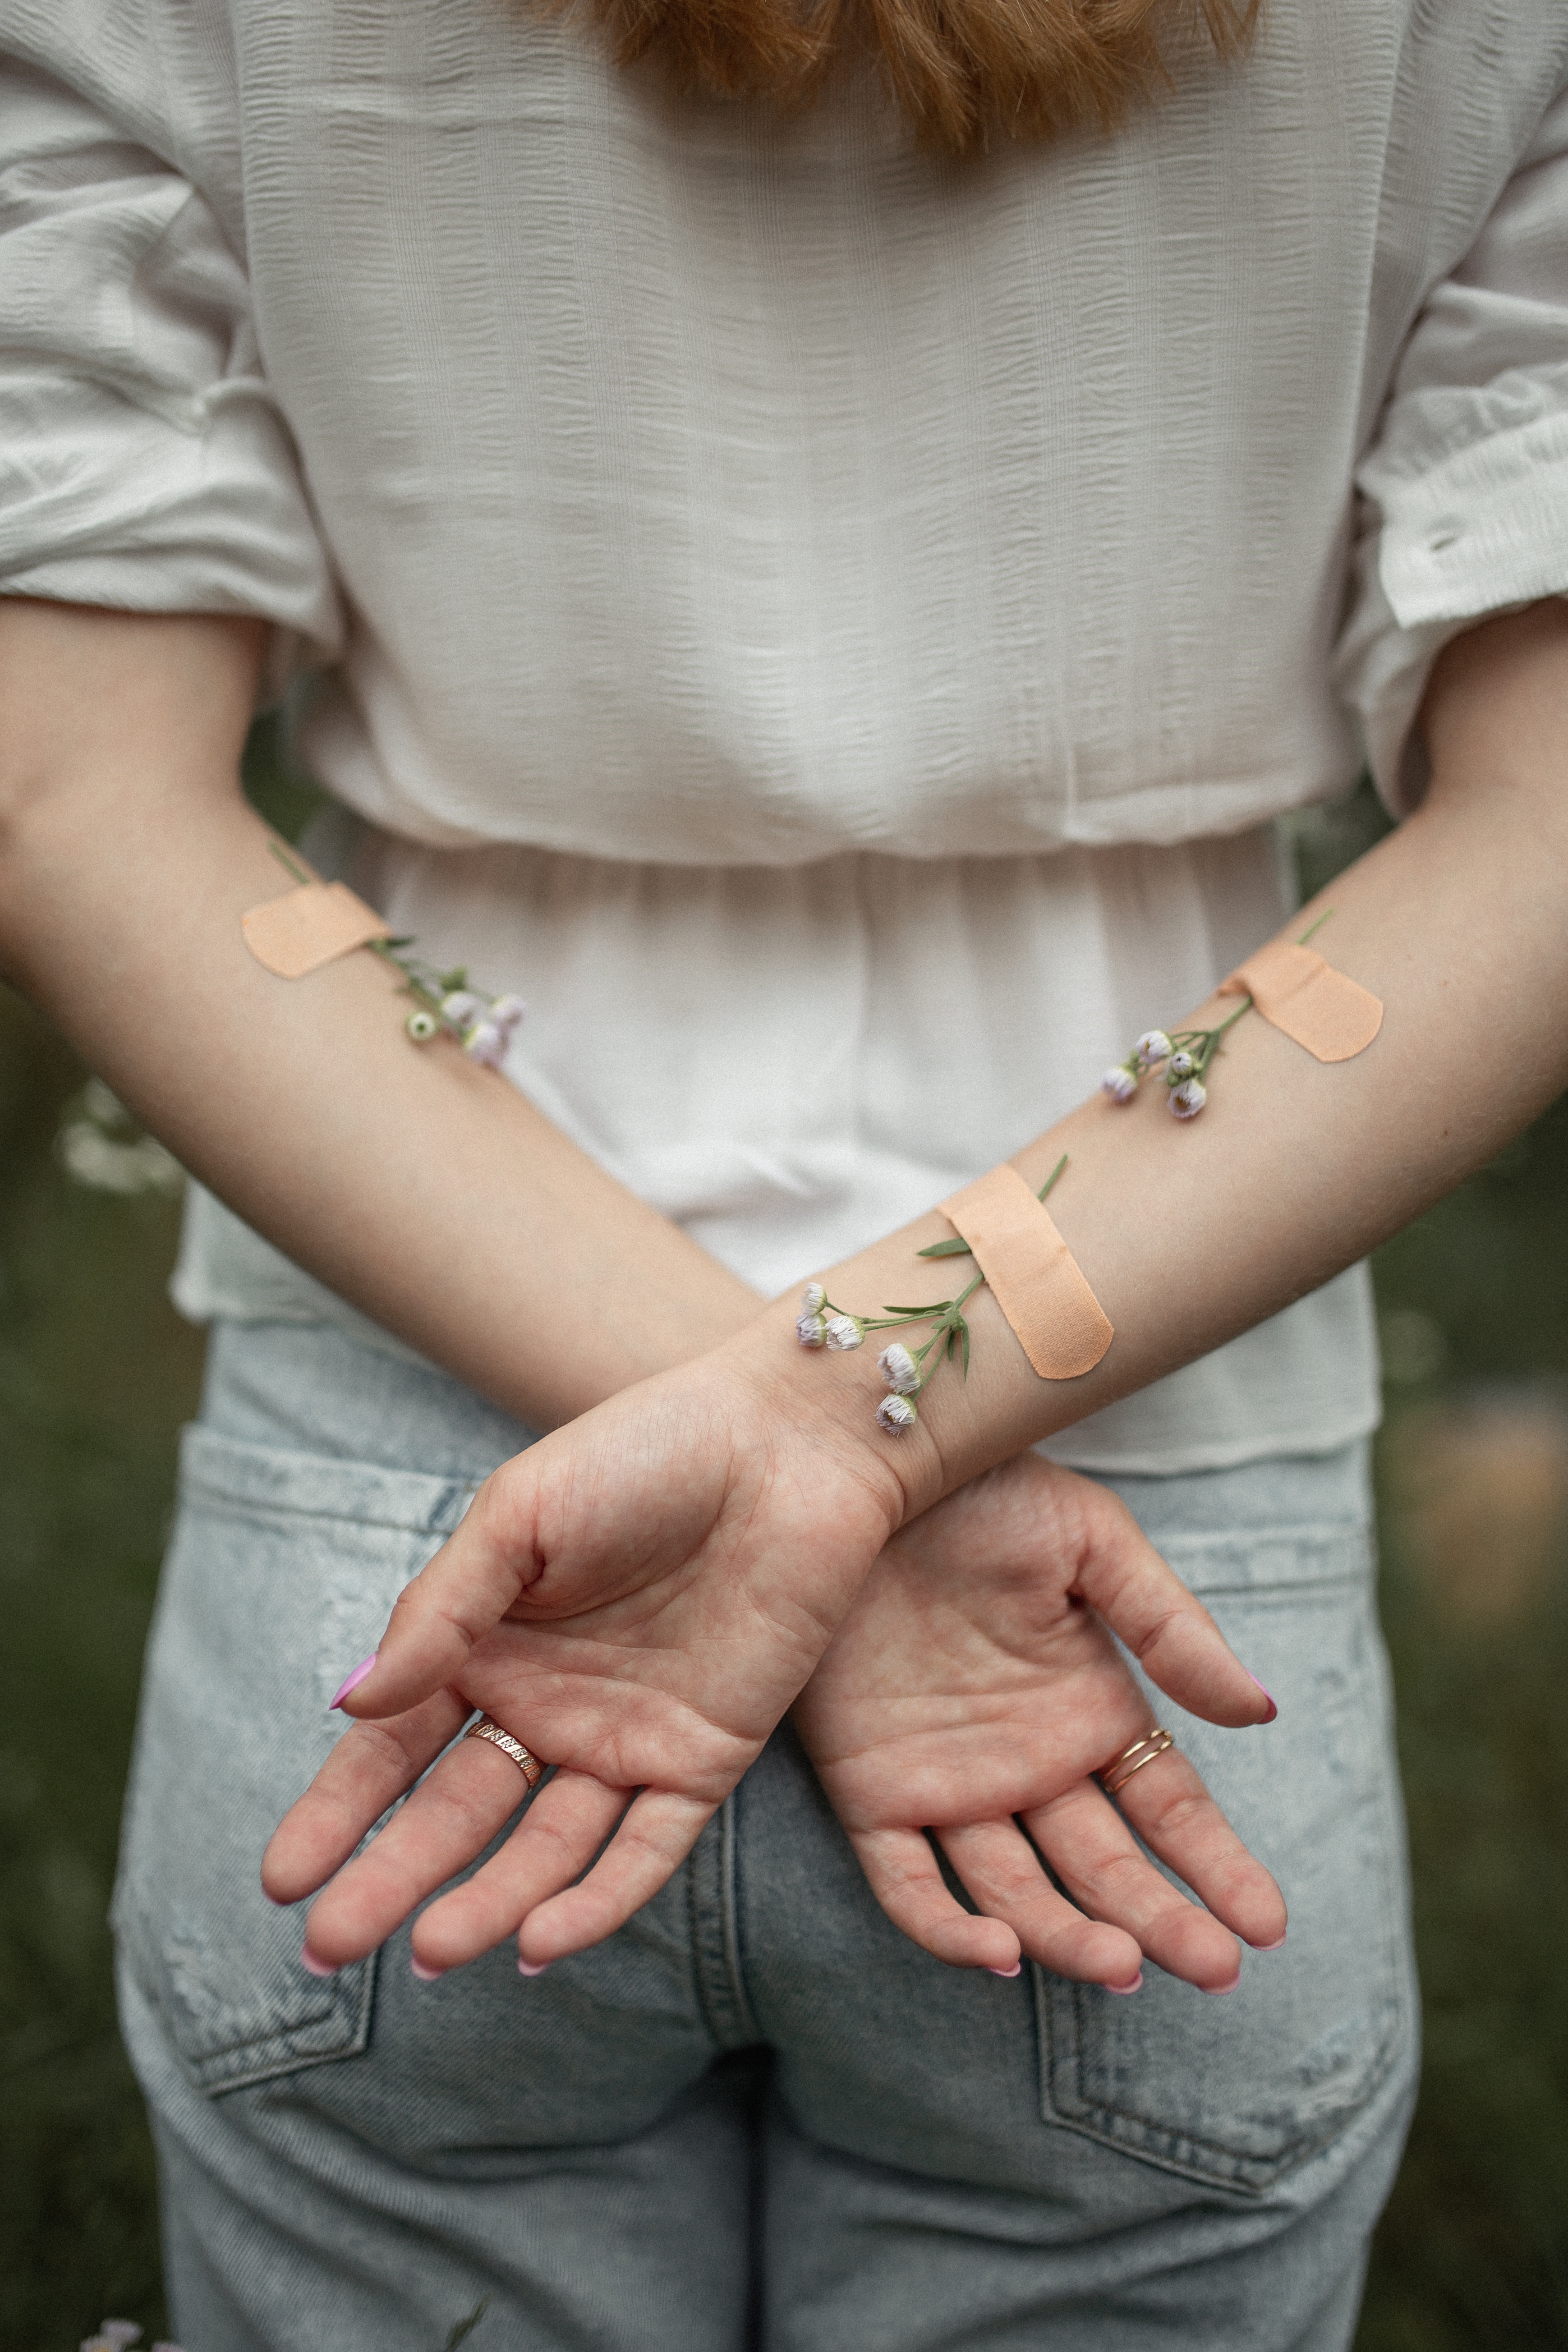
96,1373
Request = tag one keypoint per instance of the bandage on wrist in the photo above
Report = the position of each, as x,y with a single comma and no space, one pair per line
1333,1017
309,927
1037,1281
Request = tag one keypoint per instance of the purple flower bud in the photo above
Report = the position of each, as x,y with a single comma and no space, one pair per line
462,1008
486,1045
844,1332
899,1369
814,1298
1187,1099
507,1011
811,1331
1119,1084
1153,1048
1181,1065
894,1414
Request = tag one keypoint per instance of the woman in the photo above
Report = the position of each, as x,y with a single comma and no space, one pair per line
831,624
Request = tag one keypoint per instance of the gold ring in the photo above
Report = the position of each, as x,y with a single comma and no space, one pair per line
1120,1770
530,1768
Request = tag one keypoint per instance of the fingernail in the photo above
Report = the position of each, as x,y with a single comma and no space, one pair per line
317,1967
1273,1702
1274,1946
1216,1991
532,1967
1136,1986
352,1683
424,1975
1016,1969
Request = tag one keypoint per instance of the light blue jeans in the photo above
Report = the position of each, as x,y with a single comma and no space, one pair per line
758,2119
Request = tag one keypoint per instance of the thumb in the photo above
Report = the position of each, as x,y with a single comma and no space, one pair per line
456,1598
1167,1629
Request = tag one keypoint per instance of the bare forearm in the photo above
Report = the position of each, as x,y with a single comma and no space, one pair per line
424,1190
1191,1233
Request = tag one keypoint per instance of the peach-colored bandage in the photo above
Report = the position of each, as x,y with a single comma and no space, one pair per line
308,927
1297,992
1059,1323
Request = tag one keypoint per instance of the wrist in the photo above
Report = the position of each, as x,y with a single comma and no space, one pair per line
827,1403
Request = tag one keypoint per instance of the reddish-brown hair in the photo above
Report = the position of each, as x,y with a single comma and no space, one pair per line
962,72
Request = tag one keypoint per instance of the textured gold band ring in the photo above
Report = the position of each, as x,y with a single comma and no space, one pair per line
1117,1774
530,1768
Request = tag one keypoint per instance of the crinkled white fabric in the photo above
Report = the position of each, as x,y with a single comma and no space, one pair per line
680,487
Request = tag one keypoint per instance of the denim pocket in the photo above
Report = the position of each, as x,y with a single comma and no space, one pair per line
1236,2091
281,1576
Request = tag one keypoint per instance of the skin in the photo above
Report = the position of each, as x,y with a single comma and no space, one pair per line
656,1581
751,1492
436,1198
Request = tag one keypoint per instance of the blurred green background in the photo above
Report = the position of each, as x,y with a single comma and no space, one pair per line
96,1373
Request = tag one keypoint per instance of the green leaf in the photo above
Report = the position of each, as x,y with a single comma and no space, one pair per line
964,1328
957,1248
939,1308
1051,1179
467,2326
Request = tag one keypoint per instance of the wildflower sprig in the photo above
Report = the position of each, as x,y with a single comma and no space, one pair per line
1183,1054
905,1369
444,1003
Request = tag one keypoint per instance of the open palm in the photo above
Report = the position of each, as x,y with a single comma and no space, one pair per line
644,1631
974,1687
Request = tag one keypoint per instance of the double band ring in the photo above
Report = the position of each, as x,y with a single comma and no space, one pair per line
530,1768
1116,1774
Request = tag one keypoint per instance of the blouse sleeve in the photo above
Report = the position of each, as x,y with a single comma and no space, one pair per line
1464,492
143,461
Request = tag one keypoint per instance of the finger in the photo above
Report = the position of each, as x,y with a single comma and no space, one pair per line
1097,1858
903,1874
450,1818
1003,1872
658,1832
1167,1629
553,1845
369,1770
1177,1819
456,1599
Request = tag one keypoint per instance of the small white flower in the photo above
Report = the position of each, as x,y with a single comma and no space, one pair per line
811,1331
1119,1084
486,1045
843,1331
894,1414
422,1027
119,2331
507,1011
814,1298
1181,1065
462,1008
1153,1048
1188,1099
899,1369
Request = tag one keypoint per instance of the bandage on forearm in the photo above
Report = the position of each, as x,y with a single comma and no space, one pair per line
1334,1018
1037,1282
309,927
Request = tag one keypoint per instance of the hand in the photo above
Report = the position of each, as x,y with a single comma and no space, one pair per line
637,1598
973,1680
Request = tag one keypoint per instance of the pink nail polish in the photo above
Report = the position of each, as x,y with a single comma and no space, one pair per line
532,1967
317,1967
1275,1945
353,1682
1273,1702
424,1975
1121,1991
1016,1969
1218,1992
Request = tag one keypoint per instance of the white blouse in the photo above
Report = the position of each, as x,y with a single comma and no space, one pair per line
829,626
